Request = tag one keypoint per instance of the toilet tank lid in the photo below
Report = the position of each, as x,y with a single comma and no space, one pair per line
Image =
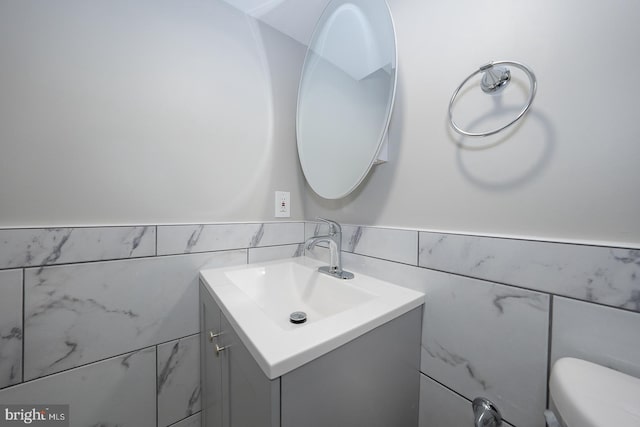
589,395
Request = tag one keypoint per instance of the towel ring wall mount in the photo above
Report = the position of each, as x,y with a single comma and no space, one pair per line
496,77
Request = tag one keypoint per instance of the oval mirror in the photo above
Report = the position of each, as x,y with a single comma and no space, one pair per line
346,95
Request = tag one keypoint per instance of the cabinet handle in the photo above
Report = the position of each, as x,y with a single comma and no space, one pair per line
212,335
219,349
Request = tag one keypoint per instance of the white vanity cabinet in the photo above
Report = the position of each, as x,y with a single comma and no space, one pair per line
371,381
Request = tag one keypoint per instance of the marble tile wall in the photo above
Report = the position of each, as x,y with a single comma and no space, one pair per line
48,246
111,315
600,334
111,326
181,239
499,311
178,382
272,253
10,327
386,243
604,275
116,391
144,301
192,421
444,407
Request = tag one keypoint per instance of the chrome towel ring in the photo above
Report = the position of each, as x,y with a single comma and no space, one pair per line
494,80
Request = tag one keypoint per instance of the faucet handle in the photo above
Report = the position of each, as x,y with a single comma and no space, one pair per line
334,227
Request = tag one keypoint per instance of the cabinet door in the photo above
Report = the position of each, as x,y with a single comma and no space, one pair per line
210,361
372,381
251,399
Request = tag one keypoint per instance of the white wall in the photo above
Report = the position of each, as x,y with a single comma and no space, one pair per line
117,112
120,112
570,172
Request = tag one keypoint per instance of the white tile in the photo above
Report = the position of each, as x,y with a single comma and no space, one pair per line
192,421
605,275
440,407
178,380
49,246
483,339
400,274
214,237
114,392
78,314
312,228
603,335
272,253
479,338
320,253
282,233
10,327
386,243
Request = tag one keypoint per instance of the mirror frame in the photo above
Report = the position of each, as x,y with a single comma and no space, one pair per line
383,138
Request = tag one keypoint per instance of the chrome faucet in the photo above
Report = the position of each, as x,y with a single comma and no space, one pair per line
334,238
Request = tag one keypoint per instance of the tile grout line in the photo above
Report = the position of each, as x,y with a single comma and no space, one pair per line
157,227
613,245
156,389
452,390
549,344
599,304
112,260
107,358
185,418
24,304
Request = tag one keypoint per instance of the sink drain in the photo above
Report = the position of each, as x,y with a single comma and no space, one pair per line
298,317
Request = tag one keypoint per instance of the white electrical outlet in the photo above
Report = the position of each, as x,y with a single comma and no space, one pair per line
283,201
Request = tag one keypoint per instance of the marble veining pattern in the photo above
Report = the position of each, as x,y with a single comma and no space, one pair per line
113,392
10,327
600,334
178,385
78,314
487,360
436,350
50,246
386,243
214,237
609,276
479,338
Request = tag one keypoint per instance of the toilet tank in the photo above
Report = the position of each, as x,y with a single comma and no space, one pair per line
589,395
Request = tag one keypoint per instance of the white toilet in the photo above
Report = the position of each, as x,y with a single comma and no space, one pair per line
589,395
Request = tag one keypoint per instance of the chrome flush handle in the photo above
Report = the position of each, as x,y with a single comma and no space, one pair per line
486,414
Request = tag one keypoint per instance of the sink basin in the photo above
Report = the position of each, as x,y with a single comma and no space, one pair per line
285,287
590,395
258,299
